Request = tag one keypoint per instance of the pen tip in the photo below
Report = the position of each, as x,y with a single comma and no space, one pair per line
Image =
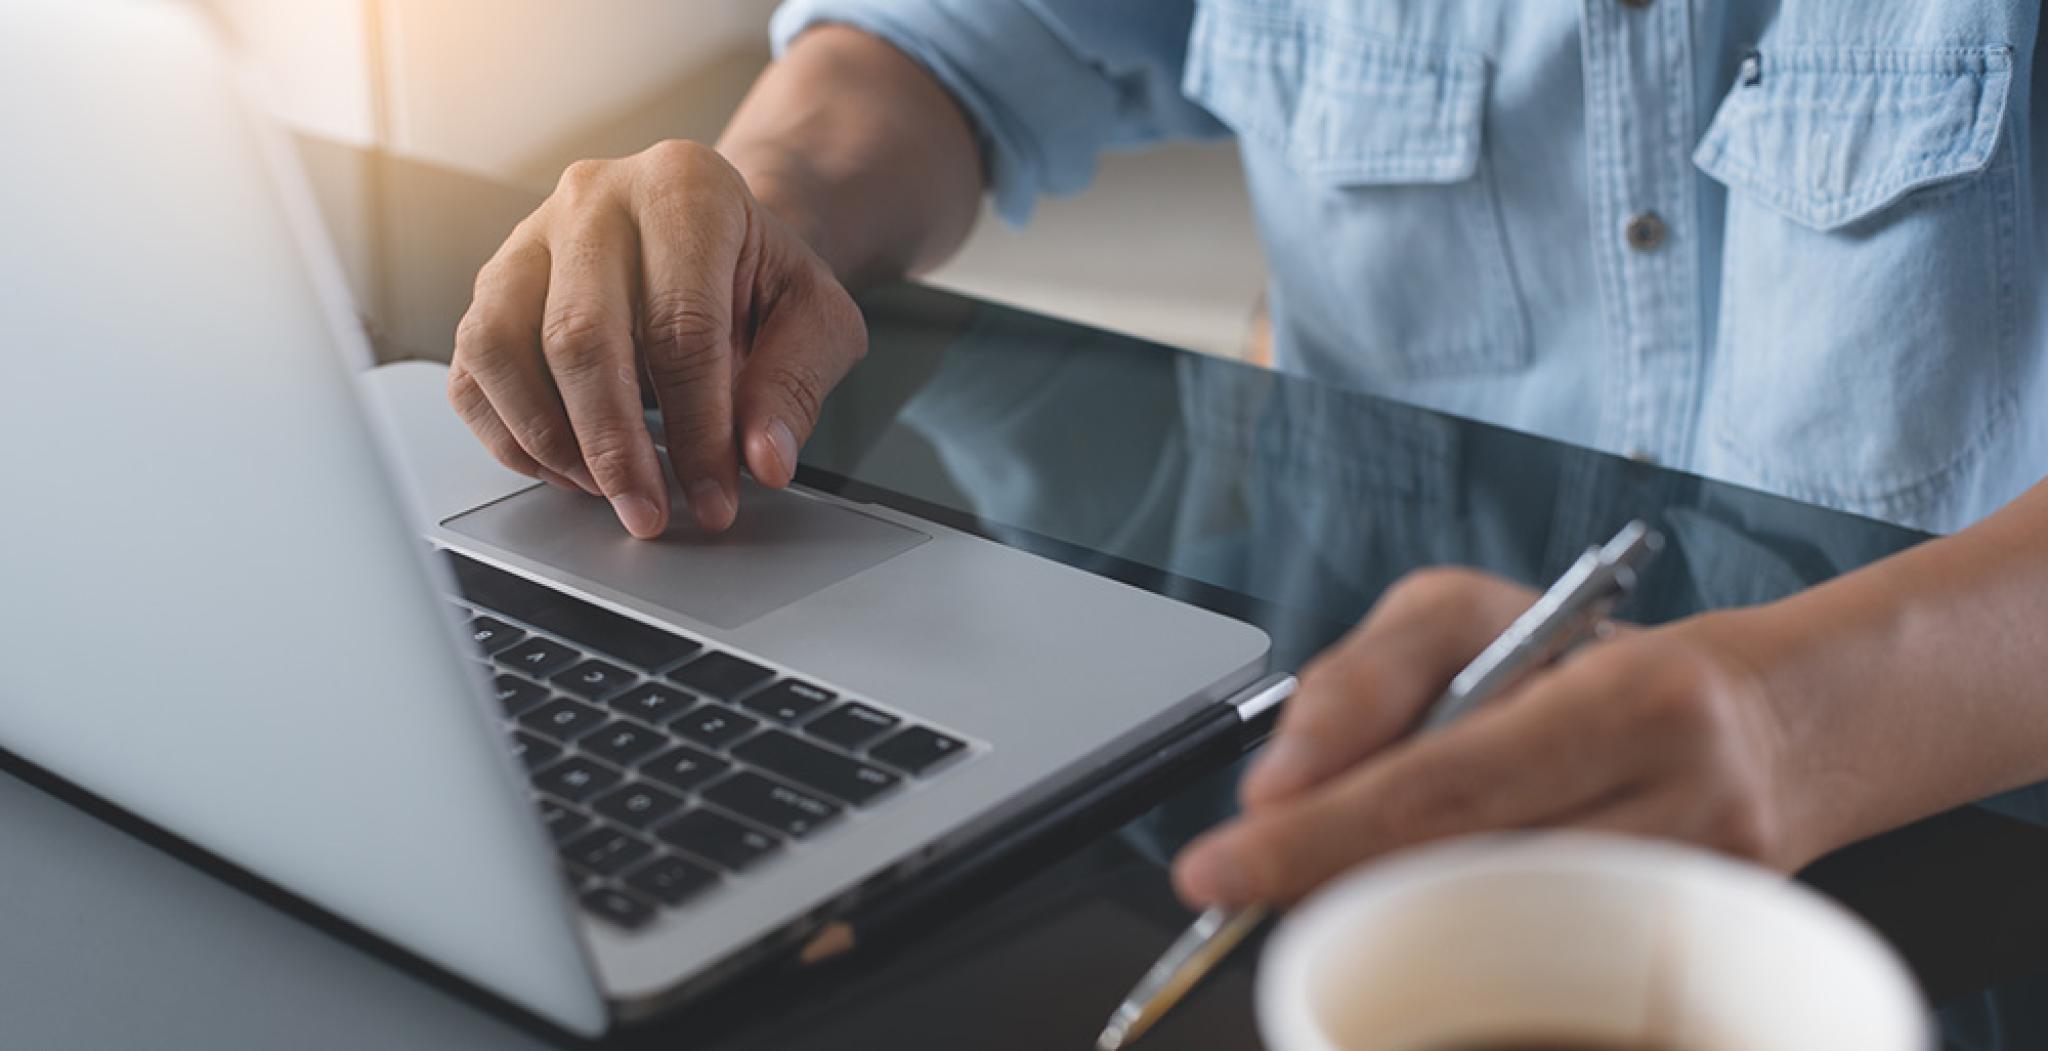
1112,1039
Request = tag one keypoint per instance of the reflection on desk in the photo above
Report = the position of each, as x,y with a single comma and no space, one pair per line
1286,502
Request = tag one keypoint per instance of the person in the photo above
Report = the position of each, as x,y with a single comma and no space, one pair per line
1787,243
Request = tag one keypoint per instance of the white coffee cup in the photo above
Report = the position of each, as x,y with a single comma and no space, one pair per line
1572,939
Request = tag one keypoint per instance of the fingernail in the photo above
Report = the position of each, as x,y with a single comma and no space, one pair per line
581,476
1285,766
1215,876
709,503
638,514
784,441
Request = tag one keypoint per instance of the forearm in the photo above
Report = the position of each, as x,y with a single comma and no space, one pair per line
862,152
1911,686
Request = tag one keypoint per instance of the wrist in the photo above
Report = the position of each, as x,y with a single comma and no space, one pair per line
786,185
1763,653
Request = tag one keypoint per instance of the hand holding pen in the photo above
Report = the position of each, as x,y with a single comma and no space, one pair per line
1311,748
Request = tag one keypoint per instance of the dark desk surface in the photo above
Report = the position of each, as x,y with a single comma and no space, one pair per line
1280,501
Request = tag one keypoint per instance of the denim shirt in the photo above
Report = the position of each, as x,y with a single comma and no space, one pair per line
1786,243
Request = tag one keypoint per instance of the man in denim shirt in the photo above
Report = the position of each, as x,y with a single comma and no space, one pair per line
1790,243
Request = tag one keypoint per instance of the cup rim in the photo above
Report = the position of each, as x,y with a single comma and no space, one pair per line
1286,1019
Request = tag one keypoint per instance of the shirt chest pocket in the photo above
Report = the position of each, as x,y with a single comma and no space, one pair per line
1366,163
1868,313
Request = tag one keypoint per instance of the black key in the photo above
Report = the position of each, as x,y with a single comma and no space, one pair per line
605,851
651,702
631,641
916,750
713,724
491,634
533,751
517,695
618,907
721,675
717,838
789,810
575,778
620,743
671,881
788,701
850,725
684,768
561,821
564,719
594,679
636,806
807,764
538,657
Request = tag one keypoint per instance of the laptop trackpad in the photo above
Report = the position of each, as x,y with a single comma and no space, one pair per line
784,546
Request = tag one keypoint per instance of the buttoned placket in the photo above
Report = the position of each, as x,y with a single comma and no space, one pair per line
1639,62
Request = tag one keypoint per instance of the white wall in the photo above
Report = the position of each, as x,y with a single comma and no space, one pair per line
488,86
314,54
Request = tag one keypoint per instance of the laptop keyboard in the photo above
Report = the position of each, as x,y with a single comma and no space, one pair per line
663,766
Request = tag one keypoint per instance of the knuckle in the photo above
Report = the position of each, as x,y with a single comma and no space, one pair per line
481,337
683,369
1317,679
581,178
610,455
1455,590
509,455
465,393
548,441
679,173
579,341
845,318
1681,713
1743,827
1336,690
680,155
685,319
1443,578
1267,860
698,442
801,387
1675,703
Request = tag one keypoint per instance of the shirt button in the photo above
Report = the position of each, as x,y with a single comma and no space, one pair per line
1646,232
1642,456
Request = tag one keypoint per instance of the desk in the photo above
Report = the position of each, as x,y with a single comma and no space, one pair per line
1284,502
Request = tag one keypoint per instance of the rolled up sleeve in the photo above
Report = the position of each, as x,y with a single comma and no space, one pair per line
1049,84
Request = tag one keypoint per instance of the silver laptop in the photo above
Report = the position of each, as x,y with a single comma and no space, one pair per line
591,775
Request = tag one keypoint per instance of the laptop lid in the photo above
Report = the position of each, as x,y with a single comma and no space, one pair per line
213,611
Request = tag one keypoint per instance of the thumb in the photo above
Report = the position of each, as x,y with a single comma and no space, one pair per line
800,352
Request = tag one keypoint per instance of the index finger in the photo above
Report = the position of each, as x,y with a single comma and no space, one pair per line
1560,746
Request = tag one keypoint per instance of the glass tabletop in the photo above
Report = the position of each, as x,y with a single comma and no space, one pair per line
1281,501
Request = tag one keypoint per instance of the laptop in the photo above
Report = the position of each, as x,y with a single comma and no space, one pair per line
285,609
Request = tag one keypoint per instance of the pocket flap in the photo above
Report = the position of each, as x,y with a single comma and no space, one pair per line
1347,106
1830,136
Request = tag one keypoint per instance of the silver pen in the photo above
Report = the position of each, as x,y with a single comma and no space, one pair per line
1575,608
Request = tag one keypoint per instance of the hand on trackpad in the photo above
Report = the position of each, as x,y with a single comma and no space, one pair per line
784,545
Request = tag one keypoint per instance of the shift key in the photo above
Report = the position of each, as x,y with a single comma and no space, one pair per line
791,811
847,780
